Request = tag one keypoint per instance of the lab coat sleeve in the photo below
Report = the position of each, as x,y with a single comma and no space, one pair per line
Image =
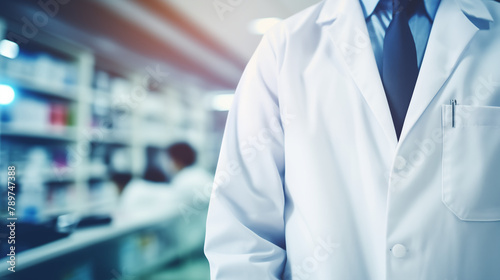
245,224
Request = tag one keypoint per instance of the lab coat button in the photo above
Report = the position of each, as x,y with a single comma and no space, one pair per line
398,251
400,163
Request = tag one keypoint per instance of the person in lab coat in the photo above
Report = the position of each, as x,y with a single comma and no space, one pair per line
337,164
188,181
154,193
184,171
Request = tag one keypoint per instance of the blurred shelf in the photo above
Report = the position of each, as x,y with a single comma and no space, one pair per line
98,178
63,134
51,174
83,238
52,180
116,142
157,265
66,92
118,139
61,180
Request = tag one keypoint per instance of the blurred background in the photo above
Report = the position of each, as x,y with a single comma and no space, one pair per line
112,114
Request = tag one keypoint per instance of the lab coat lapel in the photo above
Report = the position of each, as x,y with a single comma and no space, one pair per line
345,23
451,33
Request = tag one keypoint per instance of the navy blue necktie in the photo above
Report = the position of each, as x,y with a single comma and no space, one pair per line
399,66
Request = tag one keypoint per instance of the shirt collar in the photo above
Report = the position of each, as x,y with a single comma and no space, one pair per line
369,6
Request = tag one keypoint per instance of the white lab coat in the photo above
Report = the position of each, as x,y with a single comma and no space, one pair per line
312,182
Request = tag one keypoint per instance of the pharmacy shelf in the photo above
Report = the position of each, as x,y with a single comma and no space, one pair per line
53,180
51,175
60,179
65,92
80,99
65,134
83,238
114,140
98,177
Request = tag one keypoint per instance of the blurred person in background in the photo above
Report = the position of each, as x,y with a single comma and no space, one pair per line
148,192
185,173
155,192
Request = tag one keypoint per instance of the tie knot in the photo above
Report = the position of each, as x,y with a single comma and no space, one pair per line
404,6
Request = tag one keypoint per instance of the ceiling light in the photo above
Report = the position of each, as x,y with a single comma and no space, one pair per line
261,25
9,49
6,94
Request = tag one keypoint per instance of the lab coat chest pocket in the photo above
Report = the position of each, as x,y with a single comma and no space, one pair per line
471,162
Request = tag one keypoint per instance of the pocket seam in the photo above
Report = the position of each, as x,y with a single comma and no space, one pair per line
444,200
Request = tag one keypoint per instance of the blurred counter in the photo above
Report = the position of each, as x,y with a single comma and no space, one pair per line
130,246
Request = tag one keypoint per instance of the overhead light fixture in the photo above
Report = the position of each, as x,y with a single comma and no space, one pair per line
9,49
222,101
261,25
7,94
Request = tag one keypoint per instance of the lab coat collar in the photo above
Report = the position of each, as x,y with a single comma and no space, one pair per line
344,22
369,6
451,32
332,8
475,8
